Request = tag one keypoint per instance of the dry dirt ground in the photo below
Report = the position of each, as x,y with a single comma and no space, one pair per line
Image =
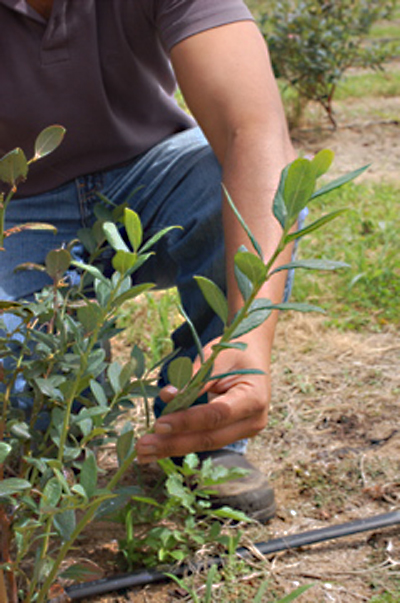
332,449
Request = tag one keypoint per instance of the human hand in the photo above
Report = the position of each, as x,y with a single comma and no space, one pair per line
237,408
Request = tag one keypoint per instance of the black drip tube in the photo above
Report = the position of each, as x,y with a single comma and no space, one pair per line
143,577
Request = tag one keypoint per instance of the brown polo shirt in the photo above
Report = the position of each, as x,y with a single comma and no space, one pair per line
101,69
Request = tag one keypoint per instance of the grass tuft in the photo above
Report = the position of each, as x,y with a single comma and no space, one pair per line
366,294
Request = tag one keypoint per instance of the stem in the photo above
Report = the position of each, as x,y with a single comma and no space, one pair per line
92,342
93,507
87,518
50,327
188,396
8,577
72,395
43,552
3,591
3,207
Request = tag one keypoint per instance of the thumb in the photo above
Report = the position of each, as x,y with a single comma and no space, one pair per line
168,393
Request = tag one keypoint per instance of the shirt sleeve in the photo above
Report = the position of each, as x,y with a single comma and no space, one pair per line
176,20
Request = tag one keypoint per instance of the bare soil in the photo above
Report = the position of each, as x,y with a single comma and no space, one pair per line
332,449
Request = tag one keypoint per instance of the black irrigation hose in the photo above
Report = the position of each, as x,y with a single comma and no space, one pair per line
143,577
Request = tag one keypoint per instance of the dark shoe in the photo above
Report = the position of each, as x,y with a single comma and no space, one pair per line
250,494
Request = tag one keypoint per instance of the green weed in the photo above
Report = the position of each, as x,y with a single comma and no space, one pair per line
365,295
235,581
183,520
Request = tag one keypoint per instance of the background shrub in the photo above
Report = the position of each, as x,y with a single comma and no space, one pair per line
313,42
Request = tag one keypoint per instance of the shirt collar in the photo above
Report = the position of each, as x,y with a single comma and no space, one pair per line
21,6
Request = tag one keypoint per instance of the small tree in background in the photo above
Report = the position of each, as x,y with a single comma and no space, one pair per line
313,42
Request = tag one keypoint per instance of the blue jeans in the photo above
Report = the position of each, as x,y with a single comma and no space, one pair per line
178,182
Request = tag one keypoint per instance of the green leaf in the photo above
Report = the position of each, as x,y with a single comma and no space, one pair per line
86,426
132,293
13,485
80,491
322,162
133,228
299,186
48,140
96,433
21,430
251,266
254,242
118,500
176,489
103,213
339,182
61,478
114,238
261,592
88,240
88,475
214,297
48,388
108,201
194,333
215,530
93,271
139,358
51,495
190,463
40,464
95,364
278,206
5,450
177,555
13,167
123,261
98,392
312,265
65,524
103,291
182,401
180,372
127,373
89,413
211,576
98,233
42,567
125,443
254,320
314,225
113,373
238,372
244,284
295,594
297,307
228,513
140,389
57,262
154,239
90,316
83,572
238,345
261,303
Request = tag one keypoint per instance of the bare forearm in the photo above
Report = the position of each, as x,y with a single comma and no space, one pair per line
252,168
